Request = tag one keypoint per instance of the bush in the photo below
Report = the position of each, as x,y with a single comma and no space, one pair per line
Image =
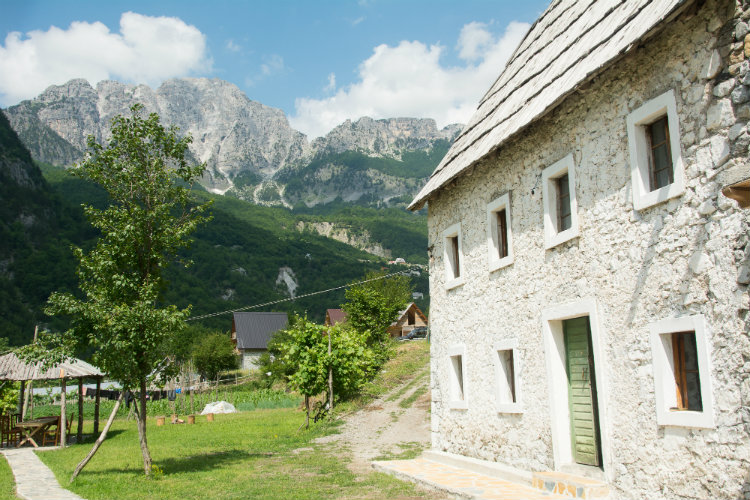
214,354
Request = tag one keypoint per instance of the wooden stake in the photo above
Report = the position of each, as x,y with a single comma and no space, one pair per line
96,408
102,437
79,435
330,375
63,415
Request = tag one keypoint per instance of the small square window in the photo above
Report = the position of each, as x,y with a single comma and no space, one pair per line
507,377
657,172
452,256
457,382
499,234
560,205
682,372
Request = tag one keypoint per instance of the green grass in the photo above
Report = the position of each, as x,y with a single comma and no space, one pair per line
7,484
409,450
409,363
243,455
408,401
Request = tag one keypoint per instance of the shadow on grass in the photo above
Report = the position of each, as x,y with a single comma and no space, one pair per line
195,463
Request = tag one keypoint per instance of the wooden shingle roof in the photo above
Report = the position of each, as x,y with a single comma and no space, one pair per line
572,41
13,368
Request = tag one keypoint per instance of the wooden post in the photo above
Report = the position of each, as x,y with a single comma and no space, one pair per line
79,435
330,376
30,390
63,415
20,399
96,405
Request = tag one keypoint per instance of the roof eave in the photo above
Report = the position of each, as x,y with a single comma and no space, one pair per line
423,196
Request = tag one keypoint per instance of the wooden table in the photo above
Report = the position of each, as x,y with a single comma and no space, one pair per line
31,428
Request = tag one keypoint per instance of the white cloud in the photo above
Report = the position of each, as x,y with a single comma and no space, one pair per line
409,80
232,46
146,50
358,20
473,41
331,83
273,64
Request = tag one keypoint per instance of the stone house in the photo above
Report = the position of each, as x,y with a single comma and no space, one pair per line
251,332
588,280
407,320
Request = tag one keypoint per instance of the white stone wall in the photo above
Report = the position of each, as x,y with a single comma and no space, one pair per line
686,256
250,359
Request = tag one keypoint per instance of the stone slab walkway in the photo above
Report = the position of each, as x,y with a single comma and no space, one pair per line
461,482
34,480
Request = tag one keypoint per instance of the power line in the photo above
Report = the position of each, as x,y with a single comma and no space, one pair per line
266,304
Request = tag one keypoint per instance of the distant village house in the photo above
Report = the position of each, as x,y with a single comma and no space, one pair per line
251,332
407,320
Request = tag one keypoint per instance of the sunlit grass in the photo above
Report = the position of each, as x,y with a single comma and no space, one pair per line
244,455
7,485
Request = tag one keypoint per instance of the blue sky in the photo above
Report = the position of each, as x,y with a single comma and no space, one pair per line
320,62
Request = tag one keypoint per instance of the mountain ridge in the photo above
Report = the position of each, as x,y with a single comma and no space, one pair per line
250,149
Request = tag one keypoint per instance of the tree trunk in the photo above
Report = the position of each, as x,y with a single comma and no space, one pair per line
141,416
101,439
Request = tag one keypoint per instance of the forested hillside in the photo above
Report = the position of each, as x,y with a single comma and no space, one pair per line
245,255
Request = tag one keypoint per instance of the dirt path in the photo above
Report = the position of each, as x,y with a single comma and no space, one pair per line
394,426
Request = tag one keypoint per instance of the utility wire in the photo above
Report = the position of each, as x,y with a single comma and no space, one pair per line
265,304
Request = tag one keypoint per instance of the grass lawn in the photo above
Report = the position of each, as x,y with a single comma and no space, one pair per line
257,454
244,455
7,484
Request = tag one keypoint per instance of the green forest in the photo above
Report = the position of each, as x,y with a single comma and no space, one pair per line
235,258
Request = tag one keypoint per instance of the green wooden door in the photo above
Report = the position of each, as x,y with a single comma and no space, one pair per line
584,423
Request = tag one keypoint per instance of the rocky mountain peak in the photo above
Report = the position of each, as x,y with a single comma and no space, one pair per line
385,136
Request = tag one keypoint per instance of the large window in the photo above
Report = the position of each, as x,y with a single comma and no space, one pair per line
499,234
452,257
656,167
682,372
560,205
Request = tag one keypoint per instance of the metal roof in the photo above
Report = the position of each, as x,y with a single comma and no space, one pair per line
254,329
13,368
572,42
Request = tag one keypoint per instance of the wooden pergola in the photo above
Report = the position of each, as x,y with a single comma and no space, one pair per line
14,369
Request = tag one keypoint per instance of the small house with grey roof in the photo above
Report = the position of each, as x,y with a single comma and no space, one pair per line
251,332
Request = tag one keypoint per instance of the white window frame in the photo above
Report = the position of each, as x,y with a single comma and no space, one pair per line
456,402
493,238
553,237
451,280
637,122
663,359
501,384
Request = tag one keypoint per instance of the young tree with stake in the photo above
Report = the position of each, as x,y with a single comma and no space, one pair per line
144,170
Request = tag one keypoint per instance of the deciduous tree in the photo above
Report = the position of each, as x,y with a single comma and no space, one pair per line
144,170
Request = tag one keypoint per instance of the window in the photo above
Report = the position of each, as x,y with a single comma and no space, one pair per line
682,372
656,167
563,203
452,256
457,382
410,317
507,376
499,235
560,205
686,378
